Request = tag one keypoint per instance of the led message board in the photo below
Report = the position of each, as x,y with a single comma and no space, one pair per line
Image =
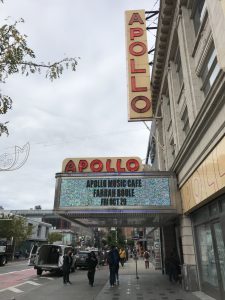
124,191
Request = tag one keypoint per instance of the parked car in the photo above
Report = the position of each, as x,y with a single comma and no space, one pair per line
50,258
81,259
6,251
100,256
18,254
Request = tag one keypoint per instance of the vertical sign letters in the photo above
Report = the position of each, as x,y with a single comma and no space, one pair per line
139,96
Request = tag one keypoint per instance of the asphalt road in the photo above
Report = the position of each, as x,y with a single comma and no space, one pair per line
14,266
19,281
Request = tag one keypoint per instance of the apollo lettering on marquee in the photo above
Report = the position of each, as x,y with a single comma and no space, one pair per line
139,95
102,164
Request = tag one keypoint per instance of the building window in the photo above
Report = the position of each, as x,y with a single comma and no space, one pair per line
185,120
152,150
179,68
169,108
210,70
39,231
199,12
172,148
46,232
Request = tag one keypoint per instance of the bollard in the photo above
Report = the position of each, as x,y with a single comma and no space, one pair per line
136,258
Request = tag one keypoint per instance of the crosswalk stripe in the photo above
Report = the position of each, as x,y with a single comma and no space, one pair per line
15,290
32,282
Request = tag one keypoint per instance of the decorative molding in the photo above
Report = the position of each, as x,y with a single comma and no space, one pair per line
206,45
208,112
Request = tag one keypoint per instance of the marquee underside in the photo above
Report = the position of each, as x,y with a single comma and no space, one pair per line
112,218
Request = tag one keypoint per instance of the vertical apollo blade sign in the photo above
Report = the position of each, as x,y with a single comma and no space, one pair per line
139,95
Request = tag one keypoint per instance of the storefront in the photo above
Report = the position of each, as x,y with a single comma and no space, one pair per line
203,200
209,232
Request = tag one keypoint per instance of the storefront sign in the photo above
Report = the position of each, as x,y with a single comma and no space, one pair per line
207,180
139,97
102,164
124,191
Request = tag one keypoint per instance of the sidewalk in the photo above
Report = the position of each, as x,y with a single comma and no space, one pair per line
150,284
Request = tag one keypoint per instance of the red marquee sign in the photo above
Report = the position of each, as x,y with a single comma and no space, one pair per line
96,165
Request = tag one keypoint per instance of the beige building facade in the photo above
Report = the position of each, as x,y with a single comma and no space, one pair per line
188,134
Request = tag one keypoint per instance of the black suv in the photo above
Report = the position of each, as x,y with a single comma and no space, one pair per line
81,259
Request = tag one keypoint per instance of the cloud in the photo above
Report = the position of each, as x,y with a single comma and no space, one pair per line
82,114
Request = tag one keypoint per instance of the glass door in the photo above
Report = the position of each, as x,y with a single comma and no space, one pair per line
220,255
207,260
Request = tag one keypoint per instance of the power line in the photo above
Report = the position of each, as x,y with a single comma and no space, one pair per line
74,139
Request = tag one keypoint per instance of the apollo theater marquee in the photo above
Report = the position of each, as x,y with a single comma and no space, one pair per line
113,191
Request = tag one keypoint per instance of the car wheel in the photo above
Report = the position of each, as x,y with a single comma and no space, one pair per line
3,260
39,271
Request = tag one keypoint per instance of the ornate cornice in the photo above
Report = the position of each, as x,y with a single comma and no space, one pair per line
167,9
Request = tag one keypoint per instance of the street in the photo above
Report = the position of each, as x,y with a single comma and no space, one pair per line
19,281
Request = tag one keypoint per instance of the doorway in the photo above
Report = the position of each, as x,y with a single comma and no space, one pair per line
209,224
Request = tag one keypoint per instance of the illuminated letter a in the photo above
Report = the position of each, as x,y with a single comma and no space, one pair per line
70,167
136,18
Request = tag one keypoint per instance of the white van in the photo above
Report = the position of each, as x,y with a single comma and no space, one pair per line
49,257
33,255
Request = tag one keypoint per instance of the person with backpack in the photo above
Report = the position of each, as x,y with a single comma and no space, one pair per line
146,259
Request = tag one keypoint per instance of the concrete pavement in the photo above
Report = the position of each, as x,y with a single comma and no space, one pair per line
146,284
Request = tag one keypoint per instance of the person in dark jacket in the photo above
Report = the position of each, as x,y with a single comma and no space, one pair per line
92,262
113,262
173,266
117,265
67,262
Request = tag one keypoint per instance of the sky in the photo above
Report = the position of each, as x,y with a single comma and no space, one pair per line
82,114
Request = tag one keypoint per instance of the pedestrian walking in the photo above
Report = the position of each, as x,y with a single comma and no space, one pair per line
67,262
92,262
117,265
127,253
146,259
122,254
173,266
113,262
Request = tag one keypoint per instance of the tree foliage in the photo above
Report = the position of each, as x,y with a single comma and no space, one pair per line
116,237
15,227
54,237
17,57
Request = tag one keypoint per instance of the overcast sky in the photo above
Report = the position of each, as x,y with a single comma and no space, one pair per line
84,113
